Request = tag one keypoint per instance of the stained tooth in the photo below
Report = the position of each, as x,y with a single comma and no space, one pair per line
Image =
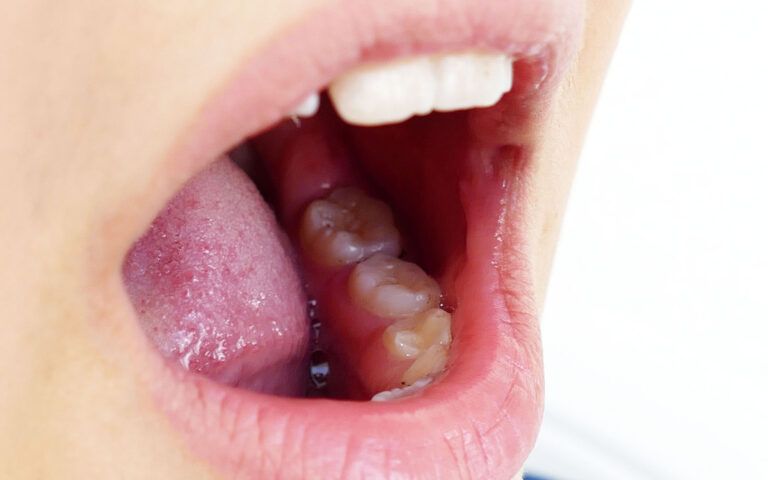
411,337
389,287
346,227
429,363
308,107
390,92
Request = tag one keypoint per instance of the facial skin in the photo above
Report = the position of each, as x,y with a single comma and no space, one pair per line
93,95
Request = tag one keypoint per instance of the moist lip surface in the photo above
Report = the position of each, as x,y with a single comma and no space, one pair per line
480,419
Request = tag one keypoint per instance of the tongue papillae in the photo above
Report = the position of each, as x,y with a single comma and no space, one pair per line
215,287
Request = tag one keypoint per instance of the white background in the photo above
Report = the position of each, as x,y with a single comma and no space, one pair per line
656,324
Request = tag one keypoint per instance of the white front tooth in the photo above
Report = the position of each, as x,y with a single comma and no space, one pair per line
391,92
392,288
308,107
471,80
346,227
387,92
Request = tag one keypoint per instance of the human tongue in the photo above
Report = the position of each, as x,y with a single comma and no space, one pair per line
215,287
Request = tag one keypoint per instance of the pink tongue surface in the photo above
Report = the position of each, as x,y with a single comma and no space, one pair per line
215,287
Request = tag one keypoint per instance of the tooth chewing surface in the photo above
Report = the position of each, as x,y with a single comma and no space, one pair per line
431,362
346,227
392,288
390,92
411,337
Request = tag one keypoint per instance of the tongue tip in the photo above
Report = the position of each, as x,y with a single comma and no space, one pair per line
215,287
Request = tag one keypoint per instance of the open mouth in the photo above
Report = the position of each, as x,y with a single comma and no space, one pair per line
341,284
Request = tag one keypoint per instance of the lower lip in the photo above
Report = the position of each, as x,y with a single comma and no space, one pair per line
481,419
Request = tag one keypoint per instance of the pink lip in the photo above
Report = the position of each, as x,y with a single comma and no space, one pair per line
481,420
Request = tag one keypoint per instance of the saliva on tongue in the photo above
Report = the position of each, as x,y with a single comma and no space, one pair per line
215,286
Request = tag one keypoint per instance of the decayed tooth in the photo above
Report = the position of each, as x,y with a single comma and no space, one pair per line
391,92
346,227
429,363
308,107
411,337
389,287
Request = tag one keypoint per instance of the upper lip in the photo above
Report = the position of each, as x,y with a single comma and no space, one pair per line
482,420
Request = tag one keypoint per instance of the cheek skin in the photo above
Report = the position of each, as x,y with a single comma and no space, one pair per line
78,90
561,136
84,90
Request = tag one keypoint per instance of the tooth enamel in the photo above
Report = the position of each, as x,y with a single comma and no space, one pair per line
384,93
391,92
308,107
392,288
346,227
396,393
469,80
429,363
411,337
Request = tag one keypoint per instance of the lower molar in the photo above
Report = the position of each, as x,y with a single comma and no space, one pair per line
411,337
346,227
392,288
349,227
429,363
